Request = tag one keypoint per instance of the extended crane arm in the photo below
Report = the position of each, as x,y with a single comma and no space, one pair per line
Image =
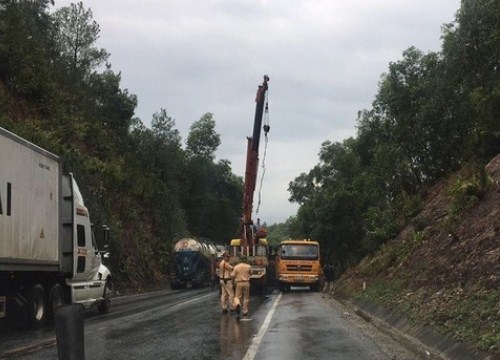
247,235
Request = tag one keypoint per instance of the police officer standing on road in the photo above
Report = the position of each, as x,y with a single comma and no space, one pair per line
241,275
226,284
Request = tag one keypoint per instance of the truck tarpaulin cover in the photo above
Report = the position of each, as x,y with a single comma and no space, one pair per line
29,196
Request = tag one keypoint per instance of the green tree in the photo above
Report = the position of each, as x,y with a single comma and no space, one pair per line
471,49
212,195
169,164
280,231
26,52
332,202
412,102
77,34
77,63
202,140
109,109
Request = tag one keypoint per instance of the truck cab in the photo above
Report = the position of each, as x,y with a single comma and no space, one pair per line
90,281
298,264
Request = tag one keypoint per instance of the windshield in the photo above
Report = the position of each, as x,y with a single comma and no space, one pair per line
298,251
258,250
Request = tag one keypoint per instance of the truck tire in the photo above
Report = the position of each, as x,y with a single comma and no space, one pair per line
56,298
37,306
104,305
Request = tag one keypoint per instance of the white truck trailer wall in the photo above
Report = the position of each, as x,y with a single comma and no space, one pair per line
29,225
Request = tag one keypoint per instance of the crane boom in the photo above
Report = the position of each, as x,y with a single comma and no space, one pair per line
248,236
252,243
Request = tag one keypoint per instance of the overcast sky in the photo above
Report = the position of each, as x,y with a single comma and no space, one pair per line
324,59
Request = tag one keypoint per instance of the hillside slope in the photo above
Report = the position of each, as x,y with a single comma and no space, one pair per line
443,270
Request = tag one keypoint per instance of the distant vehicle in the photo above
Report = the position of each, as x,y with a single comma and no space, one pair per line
298,264
48,252
193,263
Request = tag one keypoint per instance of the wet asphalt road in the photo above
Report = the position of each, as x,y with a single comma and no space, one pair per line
189,325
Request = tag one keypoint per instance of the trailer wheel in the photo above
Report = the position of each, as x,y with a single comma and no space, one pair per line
104,305
56,298
37,306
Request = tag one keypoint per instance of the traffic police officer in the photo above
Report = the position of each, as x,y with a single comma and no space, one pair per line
226,284
241,276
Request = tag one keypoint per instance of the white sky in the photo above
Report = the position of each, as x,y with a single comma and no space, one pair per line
324,59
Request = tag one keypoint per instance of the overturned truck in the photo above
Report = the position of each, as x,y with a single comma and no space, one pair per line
192,263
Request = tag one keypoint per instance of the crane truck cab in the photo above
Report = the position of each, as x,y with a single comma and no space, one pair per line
257,256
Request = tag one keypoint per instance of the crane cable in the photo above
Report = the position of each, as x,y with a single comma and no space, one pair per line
266,129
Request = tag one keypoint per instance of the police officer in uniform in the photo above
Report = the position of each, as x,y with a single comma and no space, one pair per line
226,284
241,276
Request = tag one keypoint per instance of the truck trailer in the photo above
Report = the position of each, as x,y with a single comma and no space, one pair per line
48,252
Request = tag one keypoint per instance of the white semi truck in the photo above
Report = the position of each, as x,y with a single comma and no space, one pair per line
48,253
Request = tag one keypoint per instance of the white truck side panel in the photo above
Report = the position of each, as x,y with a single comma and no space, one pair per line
30,230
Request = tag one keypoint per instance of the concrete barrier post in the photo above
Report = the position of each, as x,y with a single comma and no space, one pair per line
69,332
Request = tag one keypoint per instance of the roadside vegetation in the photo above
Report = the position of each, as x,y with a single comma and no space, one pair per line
445,275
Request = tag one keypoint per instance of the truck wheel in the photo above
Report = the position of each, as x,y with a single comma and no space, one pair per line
56,298
105,304
37,306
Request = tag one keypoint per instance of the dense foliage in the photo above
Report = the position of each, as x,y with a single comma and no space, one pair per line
57,89
433,113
